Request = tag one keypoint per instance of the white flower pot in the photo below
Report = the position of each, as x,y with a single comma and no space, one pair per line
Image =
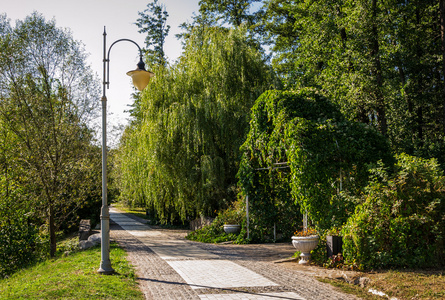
232,229
305,244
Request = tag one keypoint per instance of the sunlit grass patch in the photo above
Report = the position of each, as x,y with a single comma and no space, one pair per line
74,277
400,284
137,211
409,284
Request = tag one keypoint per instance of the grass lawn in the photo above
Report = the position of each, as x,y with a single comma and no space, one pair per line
137,211
410,284
400,284
351,289
74,277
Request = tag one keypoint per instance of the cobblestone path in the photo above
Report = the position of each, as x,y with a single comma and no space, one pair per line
170,267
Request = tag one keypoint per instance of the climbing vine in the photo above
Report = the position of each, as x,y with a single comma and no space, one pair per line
326,157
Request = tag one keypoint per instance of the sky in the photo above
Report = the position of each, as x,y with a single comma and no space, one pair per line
86,20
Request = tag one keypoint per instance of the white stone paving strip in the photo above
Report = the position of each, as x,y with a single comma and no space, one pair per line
160,243
243,296
200,268
217,274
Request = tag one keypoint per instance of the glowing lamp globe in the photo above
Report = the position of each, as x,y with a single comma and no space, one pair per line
140,76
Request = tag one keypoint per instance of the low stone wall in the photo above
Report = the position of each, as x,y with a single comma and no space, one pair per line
200,222
84,229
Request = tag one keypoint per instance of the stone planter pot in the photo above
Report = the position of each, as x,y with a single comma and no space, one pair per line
230,228
334,245
305,244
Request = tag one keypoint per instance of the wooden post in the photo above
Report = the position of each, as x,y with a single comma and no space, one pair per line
305,222
247,214
274,232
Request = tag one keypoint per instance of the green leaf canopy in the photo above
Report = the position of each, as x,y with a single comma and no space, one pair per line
180,158
327,154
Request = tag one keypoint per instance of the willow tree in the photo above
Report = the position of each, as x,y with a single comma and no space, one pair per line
182,158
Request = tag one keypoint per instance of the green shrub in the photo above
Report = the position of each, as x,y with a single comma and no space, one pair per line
401,220
20,241
214,233
318,255
299,154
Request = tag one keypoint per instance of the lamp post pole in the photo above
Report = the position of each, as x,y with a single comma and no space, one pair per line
140,79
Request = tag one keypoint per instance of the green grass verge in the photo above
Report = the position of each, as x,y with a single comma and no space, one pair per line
402,284
141,213
74,277
137,211
410,284
350,289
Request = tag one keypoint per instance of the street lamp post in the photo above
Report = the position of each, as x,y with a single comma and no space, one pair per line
140,77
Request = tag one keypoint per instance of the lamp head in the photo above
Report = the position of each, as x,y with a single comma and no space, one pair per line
140,76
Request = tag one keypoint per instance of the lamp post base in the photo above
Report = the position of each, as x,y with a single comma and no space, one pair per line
105,269
105,263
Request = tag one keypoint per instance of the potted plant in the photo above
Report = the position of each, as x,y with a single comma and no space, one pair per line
305,241
232,220
232,228
334,242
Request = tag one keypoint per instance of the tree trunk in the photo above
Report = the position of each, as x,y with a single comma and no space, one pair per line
420,124
420,88
52,232
442,36
375,56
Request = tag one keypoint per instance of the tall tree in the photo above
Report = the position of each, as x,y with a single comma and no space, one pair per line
233,12
48,97
185,151
153,22
442,37
376,59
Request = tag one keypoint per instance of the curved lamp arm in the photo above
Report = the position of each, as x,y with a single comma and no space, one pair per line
140,76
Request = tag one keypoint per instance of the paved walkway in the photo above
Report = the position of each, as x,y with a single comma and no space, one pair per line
170,267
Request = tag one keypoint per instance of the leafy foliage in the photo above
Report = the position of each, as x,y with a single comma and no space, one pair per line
380,61
214,233
335,261
181,157
153,22
401,221
233,12
301,147
330,160
21,243
45,108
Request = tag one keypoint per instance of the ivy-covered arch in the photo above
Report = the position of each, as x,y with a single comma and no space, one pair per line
325,155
